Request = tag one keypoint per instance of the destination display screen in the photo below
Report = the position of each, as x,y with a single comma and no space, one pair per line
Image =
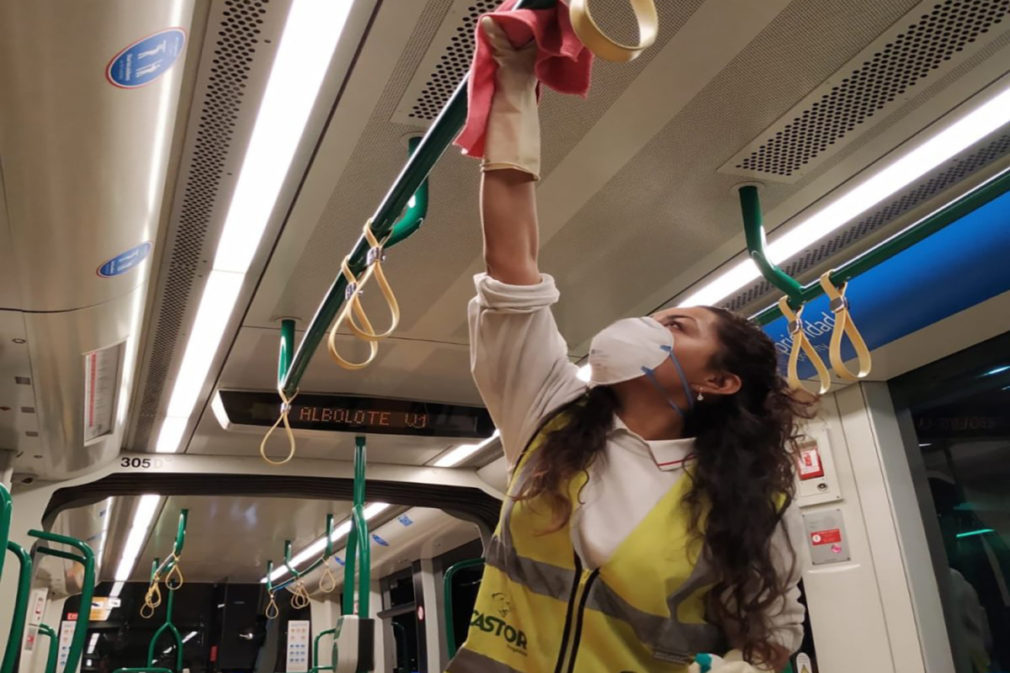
348,413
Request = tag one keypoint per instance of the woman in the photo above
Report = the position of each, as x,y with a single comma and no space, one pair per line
650,515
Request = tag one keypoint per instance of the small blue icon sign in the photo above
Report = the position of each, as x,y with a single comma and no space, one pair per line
379,541
405,520
125,261
146,59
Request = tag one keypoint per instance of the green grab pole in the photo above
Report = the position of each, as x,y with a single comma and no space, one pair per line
417,207
270,571
450,630
430,148
47,631
347,599
754,230
87,559
172,630
6,512
287,348
364,544
900,241
17,630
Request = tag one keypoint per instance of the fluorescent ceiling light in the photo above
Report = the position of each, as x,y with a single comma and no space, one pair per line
310,36
317,547
189,636
585,371
462,452
142,518
311,33
117,588
92,643
896,175
972,533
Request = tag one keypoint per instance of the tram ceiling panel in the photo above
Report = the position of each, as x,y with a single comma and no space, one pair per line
932,39
86,142
234,65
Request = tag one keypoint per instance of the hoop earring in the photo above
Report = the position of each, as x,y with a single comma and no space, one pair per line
700,396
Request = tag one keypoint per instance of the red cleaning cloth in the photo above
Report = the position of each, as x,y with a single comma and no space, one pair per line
563,63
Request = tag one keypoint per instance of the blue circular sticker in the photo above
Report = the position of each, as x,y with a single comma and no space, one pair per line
146,60
125,261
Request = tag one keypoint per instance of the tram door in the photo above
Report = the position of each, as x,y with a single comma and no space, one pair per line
956,418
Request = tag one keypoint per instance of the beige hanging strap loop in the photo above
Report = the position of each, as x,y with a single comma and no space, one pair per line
283,418
299,595
374,260
599,43
272,611
146,611
845,326
801,342
327,581
174,579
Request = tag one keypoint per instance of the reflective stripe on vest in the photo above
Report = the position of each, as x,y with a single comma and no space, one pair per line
538,610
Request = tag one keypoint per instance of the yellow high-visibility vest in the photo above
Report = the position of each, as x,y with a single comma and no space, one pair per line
539,610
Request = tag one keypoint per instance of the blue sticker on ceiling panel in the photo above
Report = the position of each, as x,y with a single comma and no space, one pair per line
146,60
125,261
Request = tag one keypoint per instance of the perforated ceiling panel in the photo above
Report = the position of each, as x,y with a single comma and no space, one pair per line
938,36
226,65
813,259
453,62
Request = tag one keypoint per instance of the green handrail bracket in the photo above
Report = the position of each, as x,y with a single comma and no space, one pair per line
899,242
400,636
48,632
6,513
315,651
358,553
298,574
17,630
754,230
87,559
450,631
427,153
180,542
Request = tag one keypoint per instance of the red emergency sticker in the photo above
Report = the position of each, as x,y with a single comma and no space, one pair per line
830,536
810,465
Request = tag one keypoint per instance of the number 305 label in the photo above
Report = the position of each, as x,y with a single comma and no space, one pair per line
136,463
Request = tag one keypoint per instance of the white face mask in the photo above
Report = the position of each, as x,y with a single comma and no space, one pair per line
630,348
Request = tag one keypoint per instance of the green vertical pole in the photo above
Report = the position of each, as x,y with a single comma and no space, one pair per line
46,630
6,511
450,631
17,630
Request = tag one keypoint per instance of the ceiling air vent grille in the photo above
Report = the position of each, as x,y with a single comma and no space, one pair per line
871,82
220,100
453,64
973,160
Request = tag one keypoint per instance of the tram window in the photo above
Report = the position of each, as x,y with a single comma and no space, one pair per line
959,412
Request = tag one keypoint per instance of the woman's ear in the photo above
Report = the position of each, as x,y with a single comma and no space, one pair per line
723,383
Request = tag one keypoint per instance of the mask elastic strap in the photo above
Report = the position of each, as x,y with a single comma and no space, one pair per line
655,382
680,372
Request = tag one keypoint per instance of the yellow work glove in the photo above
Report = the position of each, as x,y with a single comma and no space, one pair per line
513,126
731,662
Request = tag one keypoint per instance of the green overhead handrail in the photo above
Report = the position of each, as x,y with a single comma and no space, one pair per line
47,631
17,630
450,630
358,551
429,149
6,513
87,559
900,242
315,652
754,230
